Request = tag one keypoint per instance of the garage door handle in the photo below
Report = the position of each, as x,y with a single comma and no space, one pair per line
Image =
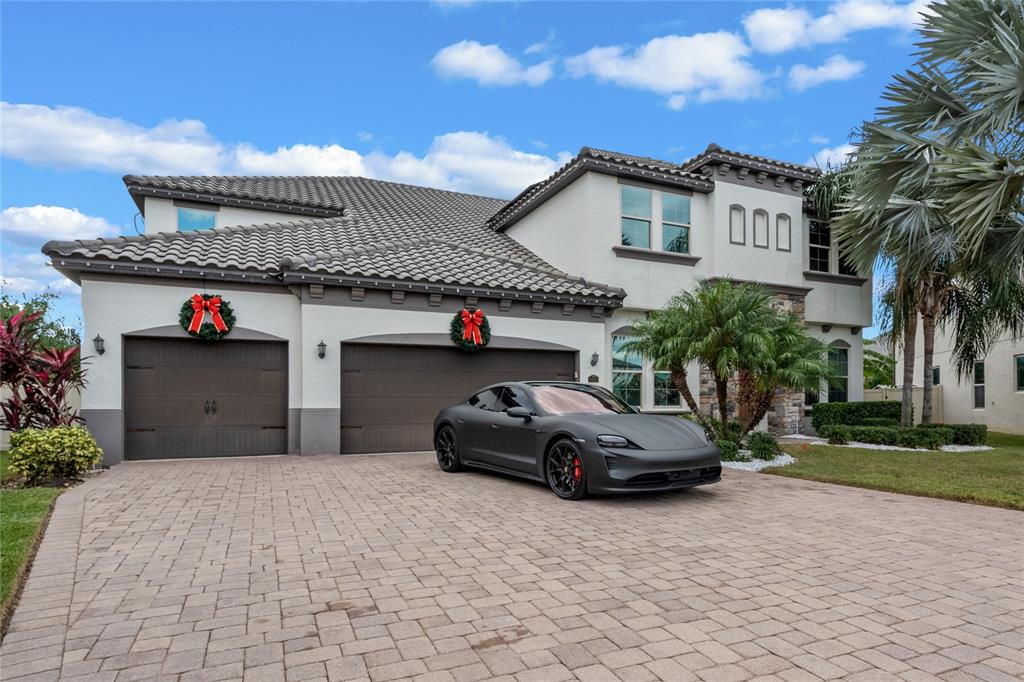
214,407
206,407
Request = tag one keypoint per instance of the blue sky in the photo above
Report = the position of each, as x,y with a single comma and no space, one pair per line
483,97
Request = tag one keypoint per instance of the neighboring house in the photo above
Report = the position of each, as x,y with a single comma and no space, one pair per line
992,394
345,288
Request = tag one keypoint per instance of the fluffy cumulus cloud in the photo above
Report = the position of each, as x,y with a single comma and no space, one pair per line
831,156
69,137
835,68
706,66
488,65
775,30
38,224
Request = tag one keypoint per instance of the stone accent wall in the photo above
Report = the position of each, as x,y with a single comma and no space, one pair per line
787,409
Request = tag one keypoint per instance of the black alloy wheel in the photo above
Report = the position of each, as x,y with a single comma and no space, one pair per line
565,471
447,450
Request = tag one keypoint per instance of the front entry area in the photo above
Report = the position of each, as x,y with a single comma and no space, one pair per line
190,398
390,394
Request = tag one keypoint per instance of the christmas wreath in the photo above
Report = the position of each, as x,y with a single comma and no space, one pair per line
470,330
196,309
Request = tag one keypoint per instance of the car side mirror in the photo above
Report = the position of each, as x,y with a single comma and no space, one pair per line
519,413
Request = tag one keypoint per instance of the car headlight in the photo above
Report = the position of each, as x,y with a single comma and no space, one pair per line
613,441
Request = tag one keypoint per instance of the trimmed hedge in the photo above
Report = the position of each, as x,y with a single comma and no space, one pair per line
854,414
928,437
963,434
879,421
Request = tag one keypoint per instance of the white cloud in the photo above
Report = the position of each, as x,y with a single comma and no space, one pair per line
712,66
364,136
468,162
69,137
29,273
831,156
774,30
38,224
818,139
488,65
835,68
541,46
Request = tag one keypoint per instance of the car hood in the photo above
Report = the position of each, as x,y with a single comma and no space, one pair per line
649,431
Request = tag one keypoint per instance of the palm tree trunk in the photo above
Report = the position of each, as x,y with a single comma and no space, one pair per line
679,377
909,339
928,333
764,403
722,392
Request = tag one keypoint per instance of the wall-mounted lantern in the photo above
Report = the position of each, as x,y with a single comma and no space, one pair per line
98,345
321,350
593,359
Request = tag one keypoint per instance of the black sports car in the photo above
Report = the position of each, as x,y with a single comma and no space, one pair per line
578,438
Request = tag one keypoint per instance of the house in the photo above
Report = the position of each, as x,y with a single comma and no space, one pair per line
344,293
992,393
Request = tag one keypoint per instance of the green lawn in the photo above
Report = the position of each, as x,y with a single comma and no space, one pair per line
991,477
22,510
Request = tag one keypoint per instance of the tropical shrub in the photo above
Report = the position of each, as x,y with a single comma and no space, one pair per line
730,450
60,452
879,421
836,435
39,379
965,434
762,445
854,414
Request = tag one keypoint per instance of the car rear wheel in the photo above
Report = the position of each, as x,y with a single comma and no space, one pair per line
447,448
566,472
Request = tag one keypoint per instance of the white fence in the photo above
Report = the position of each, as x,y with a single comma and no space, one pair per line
897,395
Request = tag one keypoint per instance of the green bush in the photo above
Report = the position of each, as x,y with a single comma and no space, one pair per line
730,450
964,434
59,452
879,421
854,414
927,437
762,445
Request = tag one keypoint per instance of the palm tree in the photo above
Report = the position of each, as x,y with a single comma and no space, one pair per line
937,184
731,330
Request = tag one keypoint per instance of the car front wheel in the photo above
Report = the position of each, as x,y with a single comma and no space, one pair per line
566,471
447,448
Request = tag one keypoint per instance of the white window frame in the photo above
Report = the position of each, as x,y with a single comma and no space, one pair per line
779,217
975,385
623,215
734,211
760,215
831,251
687,226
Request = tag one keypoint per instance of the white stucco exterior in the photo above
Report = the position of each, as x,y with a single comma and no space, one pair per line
1003,409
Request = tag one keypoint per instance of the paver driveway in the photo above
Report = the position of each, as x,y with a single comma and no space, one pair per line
383,567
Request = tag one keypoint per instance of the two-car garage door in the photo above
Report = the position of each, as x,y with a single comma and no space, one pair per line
391,394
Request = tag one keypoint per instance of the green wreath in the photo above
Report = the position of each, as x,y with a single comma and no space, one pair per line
207,316
458,331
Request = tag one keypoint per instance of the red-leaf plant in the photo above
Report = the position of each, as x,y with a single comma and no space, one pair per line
37,381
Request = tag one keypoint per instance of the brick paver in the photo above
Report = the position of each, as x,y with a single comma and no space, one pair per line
384,568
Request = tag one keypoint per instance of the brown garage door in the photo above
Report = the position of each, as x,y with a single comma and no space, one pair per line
188,398
391,394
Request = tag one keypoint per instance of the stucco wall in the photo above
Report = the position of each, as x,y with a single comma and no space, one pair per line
162,216
1004,405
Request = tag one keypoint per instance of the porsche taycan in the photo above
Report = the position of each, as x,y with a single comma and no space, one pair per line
577,438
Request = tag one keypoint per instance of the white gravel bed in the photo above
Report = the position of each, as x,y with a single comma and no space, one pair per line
780,460
944,448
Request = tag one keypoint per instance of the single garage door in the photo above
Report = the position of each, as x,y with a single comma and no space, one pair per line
188,398
391,394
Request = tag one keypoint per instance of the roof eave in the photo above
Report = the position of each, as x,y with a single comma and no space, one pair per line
140,192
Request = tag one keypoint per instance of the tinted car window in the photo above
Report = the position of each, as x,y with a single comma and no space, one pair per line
485,399
578,400
513,397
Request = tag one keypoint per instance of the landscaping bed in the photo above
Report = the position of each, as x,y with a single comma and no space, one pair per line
993,477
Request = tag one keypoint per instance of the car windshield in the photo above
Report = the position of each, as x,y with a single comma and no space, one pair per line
578,400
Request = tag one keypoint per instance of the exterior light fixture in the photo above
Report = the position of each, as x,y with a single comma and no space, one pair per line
98,345
593,359
321,350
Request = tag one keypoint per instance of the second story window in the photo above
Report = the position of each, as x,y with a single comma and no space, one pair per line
820,240
675,223
845,266
196,219
636,217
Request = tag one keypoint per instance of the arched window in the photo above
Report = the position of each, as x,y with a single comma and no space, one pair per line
783,233
761,228
737,224
627,370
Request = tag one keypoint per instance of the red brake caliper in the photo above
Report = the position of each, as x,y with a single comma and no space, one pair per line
577,470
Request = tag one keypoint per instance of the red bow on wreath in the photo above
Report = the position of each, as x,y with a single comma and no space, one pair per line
471,322
200,305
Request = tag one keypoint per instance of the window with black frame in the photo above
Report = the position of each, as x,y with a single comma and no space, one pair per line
820,246
979,385
839,362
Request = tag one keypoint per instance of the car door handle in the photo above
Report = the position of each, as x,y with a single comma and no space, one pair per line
494,426
206,407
